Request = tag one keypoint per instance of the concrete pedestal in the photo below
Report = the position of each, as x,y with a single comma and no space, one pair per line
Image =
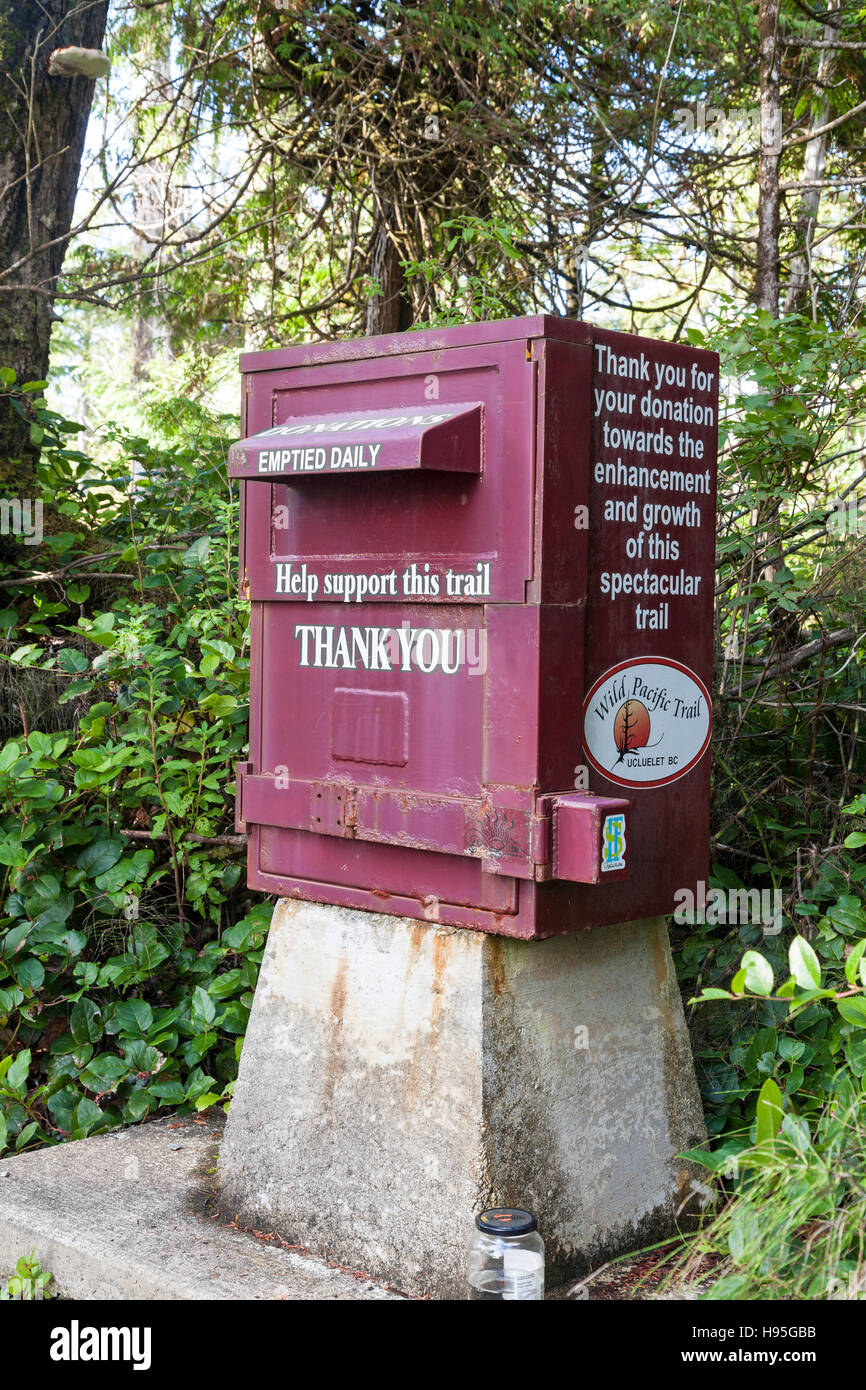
398,1077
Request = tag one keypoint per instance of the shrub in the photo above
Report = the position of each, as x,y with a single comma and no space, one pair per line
128,947
795,1224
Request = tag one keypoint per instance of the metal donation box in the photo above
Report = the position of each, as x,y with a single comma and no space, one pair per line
480,561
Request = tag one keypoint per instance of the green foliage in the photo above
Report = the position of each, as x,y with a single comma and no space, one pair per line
29,1282
806,1020
128,950
779,1013
787,747
795,1224
475,273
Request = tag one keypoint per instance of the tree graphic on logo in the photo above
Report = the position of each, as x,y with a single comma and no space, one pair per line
631,728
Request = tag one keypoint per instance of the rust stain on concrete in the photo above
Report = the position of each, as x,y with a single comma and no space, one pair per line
496,965
440,963
336,1012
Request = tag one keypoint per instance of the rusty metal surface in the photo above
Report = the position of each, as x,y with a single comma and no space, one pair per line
433,340
416,751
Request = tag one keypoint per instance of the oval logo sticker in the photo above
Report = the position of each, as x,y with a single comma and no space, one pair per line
647,722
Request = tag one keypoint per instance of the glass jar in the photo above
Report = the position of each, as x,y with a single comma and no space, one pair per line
506,1256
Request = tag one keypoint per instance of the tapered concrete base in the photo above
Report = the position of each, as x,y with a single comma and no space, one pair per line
397,1078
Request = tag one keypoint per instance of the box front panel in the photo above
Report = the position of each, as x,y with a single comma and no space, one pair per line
378,524
373,780
351,694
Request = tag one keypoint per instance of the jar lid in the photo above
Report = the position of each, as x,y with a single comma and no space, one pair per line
506,1221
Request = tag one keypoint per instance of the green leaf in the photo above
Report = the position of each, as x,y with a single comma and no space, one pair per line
714,1161
758,973
30,973
769,1112
47,887
763,1046
203,1009
133,1017
56,914
70,659
794,1080
219,705
797,1130
104,1072
193,1051
791,1049
234,1017
16,1077
100,856
197,553
137,1106
141,1056
62,1106
15,939
85,1022
74,942
855,1053
227,652
802,1001
853,1010
149,950
198,1083
848,913
26,1135
88,1116
209,1098
856,840
854,960
116,877
225,985
256,922
169,1092
805,966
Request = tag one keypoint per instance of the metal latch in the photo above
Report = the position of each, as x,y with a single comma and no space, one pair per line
588,837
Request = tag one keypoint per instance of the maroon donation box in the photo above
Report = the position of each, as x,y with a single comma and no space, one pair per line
480,561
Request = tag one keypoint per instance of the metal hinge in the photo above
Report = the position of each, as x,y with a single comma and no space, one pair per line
241,771
539,848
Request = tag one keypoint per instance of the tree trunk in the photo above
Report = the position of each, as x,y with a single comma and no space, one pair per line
813,172
767,274
576,268
156,204
155,209
43,121
388,308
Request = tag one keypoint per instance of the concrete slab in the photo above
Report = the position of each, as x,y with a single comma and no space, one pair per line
398,1077
131,1215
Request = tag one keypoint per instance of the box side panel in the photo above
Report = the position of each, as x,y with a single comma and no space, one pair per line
649,628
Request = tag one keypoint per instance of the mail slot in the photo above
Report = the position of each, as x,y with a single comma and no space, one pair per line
480,565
